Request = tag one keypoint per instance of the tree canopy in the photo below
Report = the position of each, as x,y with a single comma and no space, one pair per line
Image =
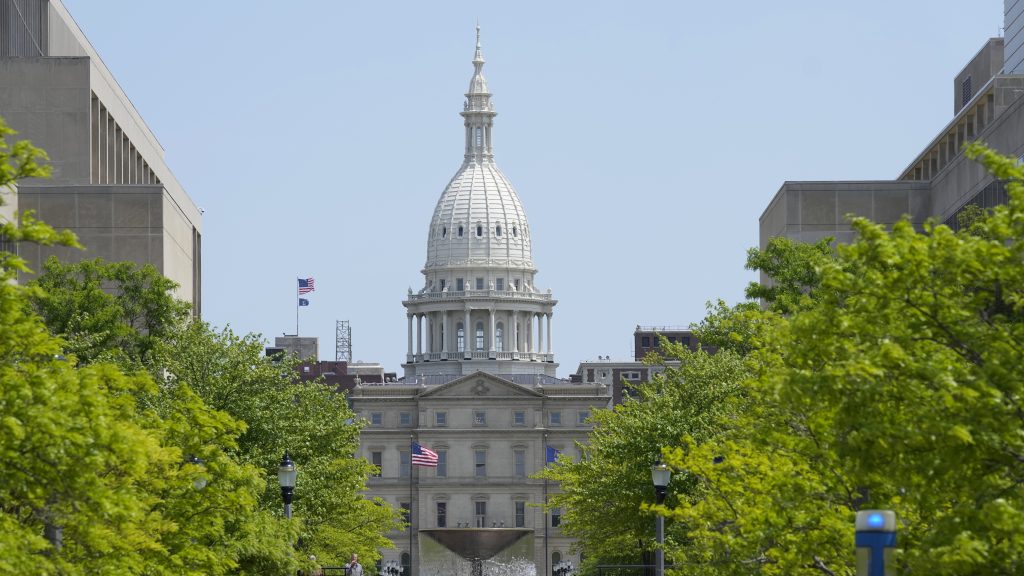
137,440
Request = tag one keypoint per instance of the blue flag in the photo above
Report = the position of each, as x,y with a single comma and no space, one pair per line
552,454
303,302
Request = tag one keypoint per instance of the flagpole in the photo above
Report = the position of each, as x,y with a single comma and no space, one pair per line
296,305
546,523
412,504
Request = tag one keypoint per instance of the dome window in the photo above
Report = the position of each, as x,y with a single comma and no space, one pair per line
444,231
515,231
460,231
479,230
497,230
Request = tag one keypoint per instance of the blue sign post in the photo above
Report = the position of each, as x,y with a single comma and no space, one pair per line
876,537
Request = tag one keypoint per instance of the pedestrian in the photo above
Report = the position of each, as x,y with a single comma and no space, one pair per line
316,567
354,568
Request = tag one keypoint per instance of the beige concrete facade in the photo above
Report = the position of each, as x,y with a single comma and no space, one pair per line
936,185
110,184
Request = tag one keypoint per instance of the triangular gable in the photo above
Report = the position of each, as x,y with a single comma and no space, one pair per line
479,385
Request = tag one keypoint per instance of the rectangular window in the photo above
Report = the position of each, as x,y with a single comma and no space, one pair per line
403,463
480,461
406,512
520,514
481,514
442,284
519,418
556,516
645,341
519,462
555,418
404,419
479,283
499,284
965,91
459,285
582,416
377,459
479,418
442,463
442,514
440,418
516,282
376,418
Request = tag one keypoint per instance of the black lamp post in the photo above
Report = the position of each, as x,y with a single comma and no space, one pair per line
286,474
661,475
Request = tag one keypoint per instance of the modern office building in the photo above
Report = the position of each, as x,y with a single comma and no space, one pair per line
940,181
479,387
110,184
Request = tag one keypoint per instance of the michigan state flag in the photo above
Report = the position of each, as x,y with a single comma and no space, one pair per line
303,302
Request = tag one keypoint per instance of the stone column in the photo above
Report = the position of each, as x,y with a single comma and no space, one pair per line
409,316
549,314
493,352
429,342
444,337
529,333
514,327
540,332
469,336
419,334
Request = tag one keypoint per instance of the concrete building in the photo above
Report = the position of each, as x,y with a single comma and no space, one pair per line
110,184
479,386
940,181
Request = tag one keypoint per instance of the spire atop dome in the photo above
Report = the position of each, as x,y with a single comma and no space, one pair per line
477,111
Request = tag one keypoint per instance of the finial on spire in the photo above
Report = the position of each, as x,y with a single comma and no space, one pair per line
478,57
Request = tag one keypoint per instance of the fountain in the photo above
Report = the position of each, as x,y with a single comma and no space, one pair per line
477,552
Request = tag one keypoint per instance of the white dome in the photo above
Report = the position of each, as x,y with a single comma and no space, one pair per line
479,222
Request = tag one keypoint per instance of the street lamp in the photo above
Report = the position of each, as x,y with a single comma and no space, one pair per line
286,474
661,475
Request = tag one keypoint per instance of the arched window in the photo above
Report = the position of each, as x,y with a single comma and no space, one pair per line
461,338
460,231
499,333
479,336
479,137
556,557
479,230
497,230
444,231
515,231
406,564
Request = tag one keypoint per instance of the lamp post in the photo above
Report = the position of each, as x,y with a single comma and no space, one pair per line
660,476
286,474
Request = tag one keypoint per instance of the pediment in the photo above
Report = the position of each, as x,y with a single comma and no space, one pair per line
480,385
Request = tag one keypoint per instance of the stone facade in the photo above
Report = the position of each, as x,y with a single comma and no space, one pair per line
940,181
479,385
110,184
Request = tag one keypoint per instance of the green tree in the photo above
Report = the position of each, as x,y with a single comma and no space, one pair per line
601,494
116,311
897,387
309,420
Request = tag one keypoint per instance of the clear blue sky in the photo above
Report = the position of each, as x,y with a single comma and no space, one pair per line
644,139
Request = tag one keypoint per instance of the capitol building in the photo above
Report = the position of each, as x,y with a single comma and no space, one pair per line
479,385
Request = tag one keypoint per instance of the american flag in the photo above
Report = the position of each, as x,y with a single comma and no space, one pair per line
423,456
305,286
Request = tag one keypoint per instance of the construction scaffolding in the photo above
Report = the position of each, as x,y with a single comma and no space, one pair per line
343,341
